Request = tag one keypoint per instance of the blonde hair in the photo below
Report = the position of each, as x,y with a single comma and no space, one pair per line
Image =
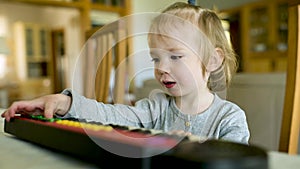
210,24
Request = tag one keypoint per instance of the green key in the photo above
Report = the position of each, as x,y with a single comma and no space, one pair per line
42,118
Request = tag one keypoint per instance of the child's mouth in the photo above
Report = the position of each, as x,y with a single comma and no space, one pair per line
169,84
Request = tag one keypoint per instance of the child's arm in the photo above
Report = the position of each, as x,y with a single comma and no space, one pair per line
47,105
235,128
144,113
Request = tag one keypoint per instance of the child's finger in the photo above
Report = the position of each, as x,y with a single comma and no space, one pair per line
49,109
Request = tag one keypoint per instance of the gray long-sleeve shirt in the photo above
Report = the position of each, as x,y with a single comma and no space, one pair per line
222,120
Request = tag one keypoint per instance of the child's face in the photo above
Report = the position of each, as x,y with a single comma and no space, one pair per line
177,67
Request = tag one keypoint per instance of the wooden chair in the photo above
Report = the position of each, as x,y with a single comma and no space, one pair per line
289,136
106,51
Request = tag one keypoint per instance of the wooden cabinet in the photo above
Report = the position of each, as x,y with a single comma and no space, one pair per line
34,39
37,63
263,35
121,7
33,58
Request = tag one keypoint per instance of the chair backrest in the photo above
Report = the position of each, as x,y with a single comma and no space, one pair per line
105,63
261,96
289,137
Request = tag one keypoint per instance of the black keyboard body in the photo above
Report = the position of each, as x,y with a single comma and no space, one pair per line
210,154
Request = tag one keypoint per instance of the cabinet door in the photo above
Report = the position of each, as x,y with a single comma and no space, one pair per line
259,65
264,37
29,38
33,59
280,64
281,27
44,42
37,46
259,33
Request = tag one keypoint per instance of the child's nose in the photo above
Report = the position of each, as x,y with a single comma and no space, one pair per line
164,67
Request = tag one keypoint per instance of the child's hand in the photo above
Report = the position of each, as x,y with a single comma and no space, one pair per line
46,105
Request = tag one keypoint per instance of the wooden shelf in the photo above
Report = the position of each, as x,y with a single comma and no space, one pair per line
71,4
76,4
85,7
107,8
268,54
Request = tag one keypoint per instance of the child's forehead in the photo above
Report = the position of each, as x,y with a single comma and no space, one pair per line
161,46
175,34
171,41
157,40
171,44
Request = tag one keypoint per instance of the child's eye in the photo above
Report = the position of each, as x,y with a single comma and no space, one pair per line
155,60
174,57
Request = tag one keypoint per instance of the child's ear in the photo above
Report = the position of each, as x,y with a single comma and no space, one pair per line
216,60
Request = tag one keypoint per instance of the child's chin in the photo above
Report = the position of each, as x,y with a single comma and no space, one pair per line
174,93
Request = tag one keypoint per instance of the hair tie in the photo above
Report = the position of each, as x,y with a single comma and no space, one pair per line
191,2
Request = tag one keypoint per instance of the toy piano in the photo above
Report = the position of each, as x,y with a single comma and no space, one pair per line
112,146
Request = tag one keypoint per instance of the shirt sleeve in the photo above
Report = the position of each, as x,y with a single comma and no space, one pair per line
234,126
141,115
